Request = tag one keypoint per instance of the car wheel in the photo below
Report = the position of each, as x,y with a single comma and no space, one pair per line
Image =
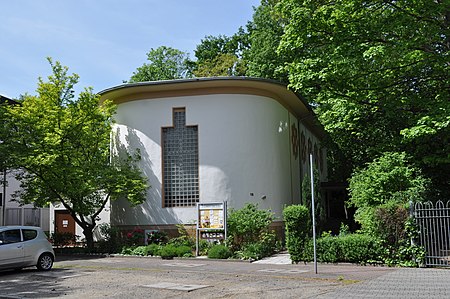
45,262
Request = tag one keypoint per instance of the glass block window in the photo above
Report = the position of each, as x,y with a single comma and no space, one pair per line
180,162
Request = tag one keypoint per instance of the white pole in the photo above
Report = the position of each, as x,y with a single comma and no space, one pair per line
313,211
4,199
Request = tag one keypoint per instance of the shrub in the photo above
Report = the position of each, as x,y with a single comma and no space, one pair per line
157,237
359,248
297,227
328,249
251,251
135,237
111,239
153,249
184,251
246,225
63,239
204,247
349,248
219,252
140,250
126,250
168,251
387,179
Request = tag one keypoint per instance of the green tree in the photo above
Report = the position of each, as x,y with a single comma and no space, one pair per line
221,55
388,180
378,74
60,147
165,63
264,35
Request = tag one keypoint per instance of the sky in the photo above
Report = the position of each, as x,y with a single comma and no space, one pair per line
103,41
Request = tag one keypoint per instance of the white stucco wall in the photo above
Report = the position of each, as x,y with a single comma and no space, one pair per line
103,217
244,153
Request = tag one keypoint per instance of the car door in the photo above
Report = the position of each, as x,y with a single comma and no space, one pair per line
31,246
11,249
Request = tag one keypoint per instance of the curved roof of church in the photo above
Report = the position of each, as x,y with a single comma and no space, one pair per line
293,101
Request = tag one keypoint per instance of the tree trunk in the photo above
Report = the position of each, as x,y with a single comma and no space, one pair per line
89,235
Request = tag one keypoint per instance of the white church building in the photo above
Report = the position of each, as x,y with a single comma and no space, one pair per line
233,139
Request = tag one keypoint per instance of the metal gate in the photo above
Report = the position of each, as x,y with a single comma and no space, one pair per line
433,221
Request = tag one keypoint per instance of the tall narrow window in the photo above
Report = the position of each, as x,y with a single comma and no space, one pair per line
180,162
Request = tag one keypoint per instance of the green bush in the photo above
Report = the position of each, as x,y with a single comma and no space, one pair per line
111,241
328,249
153,249
184,251
127,250
348,248
157,237
251,251
297,227
140,250
359,248
219,252
63,239
168,251
204,247
246,225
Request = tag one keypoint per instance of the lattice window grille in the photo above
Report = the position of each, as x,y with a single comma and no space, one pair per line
180,159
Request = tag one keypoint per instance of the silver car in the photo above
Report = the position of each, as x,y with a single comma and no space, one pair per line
25,246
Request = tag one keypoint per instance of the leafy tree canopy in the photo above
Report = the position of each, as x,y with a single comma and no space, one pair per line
60,147
378,74
165,63
264,35
221,55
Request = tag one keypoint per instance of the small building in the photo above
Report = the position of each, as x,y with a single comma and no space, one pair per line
233,139
11,213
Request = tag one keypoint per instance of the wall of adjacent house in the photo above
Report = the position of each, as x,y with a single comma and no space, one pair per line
245,153
15,214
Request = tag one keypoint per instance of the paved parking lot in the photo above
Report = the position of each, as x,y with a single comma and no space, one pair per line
119,277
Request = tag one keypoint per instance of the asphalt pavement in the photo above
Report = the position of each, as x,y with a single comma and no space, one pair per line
274,277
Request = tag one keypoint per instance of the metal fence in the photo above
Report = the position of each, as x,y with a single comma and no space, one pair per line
433,221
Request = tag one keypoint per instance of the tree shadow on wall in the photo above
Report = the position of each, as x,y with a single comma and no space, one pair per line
150,212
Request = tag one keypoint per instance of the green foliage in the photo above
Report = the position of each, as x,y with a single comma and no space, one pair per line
135,237
219,251
387,180
153,249
168,251
297,227
63,239
405,252
184,238
221,55
157,237
350,248
60,147
111,241
377,73
165,63
319,203
246,225
264,247
184,251
204,247
140,251
264,36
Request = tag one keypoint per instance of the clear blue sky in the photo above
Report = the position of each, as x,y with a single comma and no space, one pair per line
103,41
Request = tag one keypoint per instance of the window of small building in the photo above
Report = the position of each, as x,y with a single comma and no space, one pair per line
180,162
